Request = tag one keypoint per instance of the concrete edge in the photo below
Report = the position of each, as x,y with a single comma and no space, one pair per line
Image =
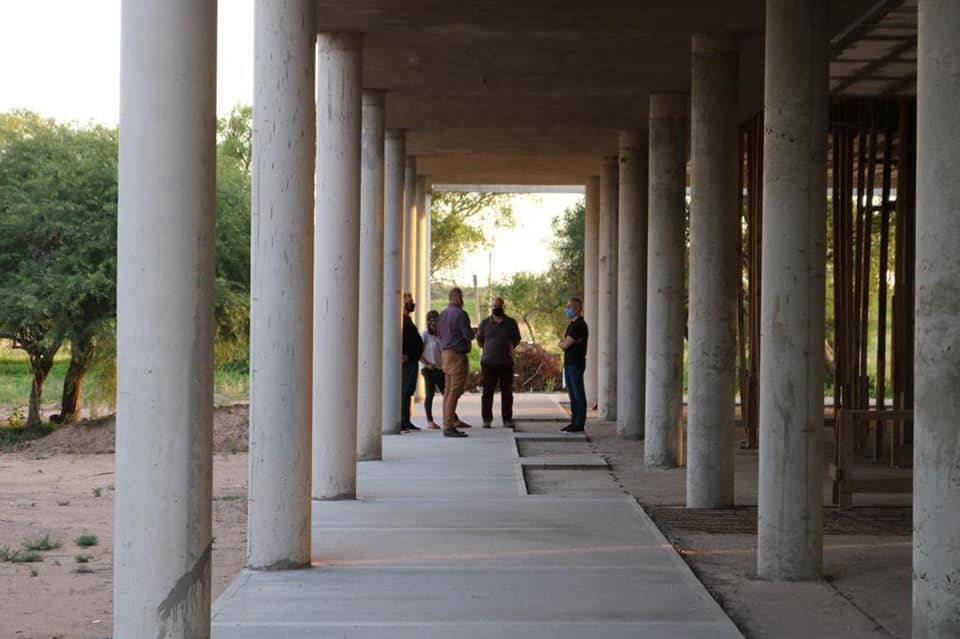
675,557
518,466
227,594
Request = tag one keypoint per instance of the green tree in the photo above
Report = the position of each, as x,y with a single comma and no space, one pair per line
457,225
566,265
57,245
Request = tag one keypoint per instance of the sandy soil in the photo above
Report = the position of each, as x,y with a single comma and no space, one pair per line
51,487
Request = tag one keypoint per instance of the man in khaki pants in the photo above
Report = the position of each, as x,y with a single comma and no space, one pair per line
456,336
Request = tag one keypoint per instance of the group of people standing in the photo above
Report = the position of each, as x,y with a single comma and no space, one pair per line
441,353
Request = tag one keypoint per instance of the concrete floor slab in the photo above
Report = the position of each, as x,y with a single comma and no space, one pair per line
444,542
551,437
572,461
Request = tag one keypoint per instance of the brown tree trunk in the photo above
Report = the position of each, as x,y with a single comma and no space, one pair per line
81,358
40,363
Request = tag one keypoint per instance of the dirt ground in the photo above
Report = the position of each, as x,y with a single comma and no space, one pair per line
62,486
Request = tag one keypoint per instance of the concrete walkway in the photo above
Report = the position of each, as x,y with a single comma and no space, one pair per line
445,542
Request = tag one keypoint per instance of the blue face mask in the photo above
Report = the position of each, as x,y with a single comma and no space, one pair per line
569,313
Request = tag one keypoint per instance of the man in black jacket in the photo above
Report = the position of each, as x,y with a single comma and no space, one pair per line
412,350
497,335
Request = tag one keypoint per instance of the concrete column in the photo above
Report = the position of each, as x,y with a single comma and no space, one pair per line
421,297
790,502
666,315
410,227
714,233
427,252
591,280
370,316
165,298
936,469
281,313
632,284
336,265
393,209
606,343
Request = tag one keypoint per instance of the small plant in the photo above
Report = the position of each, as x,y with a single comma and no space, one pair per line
83,558
16,556
43,543
83,570
34,572
98,492
228,498
63,502
85,541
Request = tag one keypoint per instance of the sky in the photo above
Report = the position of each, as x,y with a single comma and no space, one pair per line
61,58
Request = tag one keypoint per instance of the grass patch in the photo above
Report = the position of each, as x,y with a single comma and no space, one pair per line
83,558
98,492
18,556
83,570
228,498
42,544
10,436
85,541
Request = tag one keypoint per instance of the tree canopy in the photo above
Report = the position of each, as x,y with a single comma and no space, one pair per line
457,225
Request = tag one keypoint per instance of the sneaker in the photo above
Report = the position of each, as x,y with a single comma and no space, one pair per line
486,424
406,428
453,432
508,423
572,429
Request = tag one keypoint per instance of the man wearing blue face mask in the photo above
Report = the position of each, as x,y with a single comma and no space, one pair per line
574,347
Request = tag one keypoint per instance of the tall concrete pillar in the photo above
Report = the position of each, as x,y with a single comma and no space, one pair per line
336,265
410,227
936,468
395,152
422,302
165,300
370,316
427,252
632,284
790,503
666,314
714,233
421,296
607,291
281,313
591,280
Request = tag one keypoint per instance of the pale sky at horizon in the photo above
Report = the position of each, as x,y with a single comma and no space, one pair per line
66,65
62,58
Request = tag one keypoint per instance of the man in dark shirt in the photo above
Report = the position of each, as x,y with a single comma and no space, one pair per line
456,336
497,335
412,350
574,347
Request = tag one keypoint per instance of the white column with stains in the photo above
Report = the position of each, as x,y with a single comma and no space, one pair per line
714,233
591,280
165,320
336,265
936,467
281,313
370,315
410,227
666,312
632,284
395,149
607,292
790,502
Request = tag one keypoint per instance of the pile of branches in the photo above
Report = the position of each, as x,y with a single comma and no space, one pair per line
535,371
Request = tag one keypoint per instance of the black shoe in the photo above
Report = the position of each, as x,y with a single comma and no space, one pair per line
508,423
406,428
572,429
453,432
